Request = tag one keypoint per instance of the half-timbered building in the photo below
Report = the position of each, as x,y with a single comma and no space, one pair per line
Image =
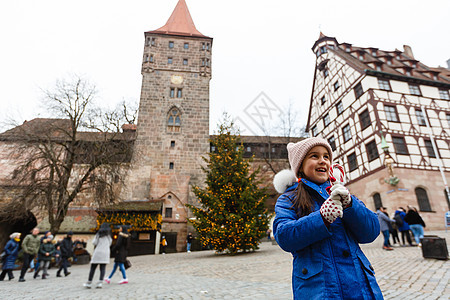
386,116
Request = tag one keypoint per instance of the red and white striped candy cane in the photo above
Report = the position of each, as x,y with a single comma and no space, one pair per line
337,174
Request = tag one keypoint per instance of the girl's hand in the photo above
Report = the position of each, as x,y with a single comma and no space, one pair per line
331,209
340,192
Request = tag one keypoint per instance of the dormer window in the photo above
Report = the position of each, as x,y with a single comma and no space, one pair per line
388,61
323,49
361,55
407,72
374,52
378,67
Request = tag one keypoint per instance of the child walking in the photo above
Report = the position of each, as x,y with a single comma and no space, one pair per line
322,228
120,251
46,251
102,242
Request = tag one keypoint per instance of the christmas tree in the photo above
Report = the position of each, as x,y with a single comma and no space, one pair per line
232,215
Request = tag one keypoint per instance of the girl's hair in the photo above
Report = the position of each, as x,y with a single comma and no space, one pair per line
104,230
302,201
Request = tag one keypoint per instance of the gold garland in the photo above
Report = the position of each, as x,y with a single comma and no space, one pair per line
138,221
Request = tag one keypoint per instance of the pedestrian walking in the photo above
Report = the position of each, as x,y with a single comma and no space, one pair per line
321,230
120,252
30,247
189,242
402,225
416,224
38,258
163,244
384,226
102,242
9,260
46,251
66,248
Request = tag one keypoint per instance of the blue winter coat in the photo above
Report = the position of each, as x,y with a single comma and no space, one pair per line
405,226
328,263
11,250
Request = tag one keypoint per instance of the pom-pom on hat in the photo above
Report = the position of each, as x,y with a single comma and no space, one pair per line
298,151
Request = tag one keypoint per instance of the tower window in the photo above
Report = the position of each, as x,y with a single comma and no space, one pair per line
352,162
203,62
153,43
172,92
443,94
332,142
391,113
186,45
372,151
400,145
146,58
171,44
420,118
151,58
207,62
323,49
430,149
174,120
339,108
203,46
358,90
414,89
364,118
172,144
171,166
347,133
384,84
179,93
148,41
169,60
207,46
185,61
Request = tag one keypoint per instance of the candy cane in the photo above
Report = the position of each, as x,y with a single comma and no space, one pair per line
337,174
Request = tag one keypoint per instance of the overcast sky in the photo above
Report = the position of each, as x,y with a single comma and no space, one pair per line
259,46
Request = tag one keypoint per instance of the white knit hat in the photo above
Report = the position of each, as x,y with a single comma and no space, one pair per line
14,235
298,151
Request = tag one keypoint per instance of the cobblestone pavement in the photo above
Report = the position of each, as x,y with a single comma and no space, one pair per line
265,274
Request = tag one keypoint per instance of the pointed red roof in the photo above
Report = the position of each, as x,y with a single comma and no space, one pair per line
180,22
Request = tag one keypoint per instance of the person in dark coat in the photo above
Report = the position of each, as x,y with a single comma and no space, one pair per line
46,252
403,226
11,252
416,223
120,251
323,230
66,248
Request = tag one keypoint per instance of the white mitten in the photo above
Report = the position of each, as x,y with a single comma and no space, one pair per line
340,192
331,209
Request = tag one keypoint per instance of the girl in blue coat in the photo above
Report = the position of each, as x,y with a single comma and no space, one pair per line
322,228
11,252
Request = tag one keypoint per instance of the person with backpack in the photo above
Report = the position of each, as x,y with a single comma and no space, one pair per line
120,251
11,252
402,225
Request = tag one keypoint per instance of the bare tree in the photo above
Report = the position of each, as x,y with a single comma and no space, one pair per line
82,150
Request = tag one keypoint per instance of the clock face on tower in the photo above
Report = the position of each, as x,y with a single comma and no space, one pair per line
176,79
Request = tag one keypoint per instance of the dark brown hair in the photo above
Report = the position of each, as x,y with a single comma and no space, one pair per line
302,201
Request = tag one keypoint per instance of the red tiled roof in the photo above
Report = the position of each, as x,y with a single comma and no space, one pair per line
179,23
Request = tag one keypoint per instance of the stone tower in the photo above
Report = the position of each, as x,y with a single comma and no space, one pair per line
173,123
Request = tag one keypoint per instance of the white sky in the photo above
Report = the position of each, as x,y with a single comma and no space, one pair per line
259,45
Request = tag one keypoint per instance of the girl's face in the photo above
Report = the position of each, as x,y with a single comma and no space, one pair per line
316,165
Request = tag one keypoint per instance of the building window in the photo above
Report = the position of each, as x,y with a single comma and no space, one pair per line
146,58
378,67
151,57
326,120
174,120
347,133
248,149
384,84
414,89
408,72
332,142
314,131
203,46
171,166
420,118
169,60
430,149
443,94
336,86
172,92
171,45
168,212
153,41
207,62
364,119
422,199
213,148
179,93
372,150
323,49
352,162
400,145
323,100
273,149
389,61
186,45
339,108
358,90
207,46
377,201
325,73
172,144
185,61
391,113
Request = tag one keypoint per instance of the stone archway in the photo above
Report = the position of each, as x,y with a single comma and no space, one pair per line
23,225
